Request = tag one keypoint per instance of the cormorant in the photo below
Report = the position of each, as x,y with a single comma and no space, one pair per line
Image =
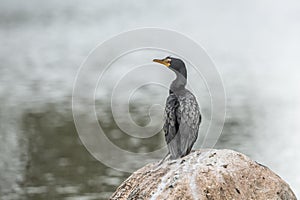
182,114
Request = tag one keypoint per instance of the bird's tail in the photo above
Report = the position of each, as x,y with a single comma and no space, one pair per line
168,154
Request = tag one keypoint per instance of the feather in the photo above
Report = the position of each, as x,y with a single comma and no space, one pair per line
182,120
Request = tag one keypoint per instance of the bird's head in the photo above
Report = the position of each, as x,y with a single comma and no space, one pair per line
174,64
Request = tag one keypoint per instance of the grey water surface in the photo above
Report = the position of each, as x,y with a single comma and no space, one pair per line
254,45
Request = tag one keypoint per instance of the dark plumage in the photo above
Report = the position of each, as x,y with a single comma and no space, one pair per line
182,114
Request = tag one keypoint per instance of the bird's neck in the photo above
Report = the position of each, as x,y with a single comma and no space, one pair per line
179,83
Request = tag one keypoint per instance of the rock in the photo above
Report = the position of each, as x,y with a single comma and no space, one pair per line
205,174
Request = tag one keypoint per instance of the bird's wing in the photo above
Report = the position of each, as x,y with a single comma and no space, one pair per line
171,125
190,121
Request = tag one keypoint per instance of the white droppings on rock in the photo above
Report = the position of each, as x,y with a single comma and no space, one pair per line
163,184
194,187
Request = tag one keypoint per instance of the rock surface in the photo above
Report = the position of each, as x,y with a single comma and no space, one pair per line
208,175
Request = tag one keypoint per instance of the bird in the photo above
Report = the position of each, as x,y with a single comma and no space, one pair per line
182,113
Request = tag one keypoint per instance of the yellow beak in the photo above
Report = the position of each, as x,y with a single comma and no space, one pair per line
165,62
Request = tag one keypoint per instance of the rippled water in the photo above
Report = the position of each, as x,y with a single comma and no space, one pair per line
255,45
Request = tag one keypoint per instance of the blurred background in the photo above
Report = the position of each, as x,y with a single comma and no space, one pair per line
254,44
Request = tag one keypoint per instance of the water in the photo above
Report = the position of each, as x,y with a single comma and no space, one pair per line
254,45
